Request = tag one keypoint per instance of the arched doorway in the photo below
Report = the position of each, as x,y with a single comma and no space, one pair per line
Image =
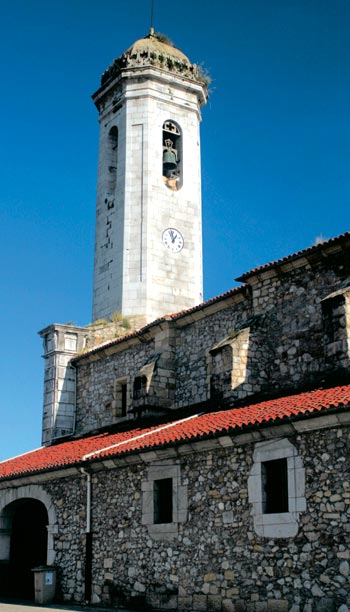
27,521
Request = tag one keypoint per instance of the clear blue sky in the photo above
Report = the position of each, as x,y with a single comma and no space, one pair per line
275,153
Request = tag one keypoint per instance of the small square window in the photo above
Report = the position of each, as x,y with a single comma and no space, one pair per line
163,501
275,486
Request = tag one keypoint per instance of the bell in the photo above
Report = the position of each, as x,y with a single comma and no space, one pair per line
169,160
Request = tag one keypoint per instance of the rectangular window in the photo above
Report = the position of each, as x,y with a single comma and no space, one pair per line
140,387
275,486
123,393
163,501
120,404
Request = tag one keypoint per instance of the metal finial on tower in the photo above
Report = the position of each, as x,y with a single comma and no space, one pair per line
151,30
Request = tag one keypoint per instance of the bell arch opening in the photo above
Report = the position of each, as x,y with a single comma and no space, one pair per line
23,546
172,155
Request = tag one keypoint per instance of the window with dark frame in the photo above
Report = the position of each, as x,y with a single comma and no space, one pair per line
120,404
123,397
220,378
163,501
140,387
275,486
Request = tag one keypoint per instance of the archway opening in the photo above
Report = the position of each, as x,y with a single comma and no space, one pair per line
28,545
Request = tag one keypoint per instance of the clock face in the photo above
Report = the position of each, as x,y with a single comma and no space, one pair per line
173,239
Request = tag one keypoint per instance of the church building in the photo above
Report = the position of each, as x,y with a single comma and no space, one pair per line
195,455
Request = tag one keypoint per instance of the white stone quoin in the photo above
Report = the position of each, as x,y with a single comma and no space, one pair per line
135,271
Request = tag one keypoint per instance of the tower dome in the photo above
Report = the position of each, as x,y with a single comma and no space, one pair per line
157,44
154,50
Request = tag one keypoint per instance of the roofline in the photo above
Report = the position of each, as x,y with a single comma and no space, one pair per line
243,435
67,326
325,246
182,81
193,313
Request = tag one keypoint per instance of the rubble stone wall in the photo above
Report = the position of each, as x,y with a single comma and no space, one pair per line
216,561
283,342
95,385
287,346
69,499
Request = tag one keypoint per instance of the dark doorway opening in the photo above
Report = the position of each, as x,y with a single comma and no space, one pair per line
28,547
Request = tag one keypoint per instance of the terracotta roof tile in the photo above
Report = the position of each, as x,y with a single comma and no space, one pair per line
106,445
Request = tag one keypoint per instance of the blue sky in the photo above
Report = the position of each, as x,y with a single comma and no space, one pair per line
275,153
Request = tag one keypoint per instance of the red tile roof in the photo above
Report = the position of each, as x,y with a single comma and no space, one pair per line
106,445
304,253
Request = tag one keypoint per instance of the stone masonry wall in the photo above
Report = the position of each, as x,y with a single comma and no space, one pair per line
193,344
69,499
292,304
286,346
216,561
287,338
96,382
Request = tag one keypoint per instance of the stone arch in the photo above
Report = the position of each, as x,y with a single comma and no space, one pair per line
172,167
9,496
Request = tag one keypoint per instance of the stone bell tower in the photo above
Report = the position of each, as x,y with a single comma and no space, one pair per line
148,247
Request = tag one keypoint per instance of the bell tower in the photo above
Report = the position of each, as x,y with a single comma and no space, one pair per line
148,246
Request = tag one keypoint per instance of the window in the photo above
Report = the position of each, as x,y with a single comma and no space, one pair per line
274,480
172,155
120,402
140,387
336,323
276,488
123,398
112,160
163,501
227,364
143,382
221,371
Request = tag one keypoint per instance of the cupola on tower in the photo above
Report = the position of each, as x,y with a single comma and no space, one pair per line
148,247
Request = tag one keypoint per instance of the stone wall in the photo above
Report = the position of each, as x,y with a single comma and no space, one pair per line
288,332
292,303
287,337
216,561
193,343
96,381
69,499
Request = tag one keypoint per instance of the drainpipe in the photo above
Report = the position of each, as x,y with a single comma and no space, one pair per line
88,538
72,365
